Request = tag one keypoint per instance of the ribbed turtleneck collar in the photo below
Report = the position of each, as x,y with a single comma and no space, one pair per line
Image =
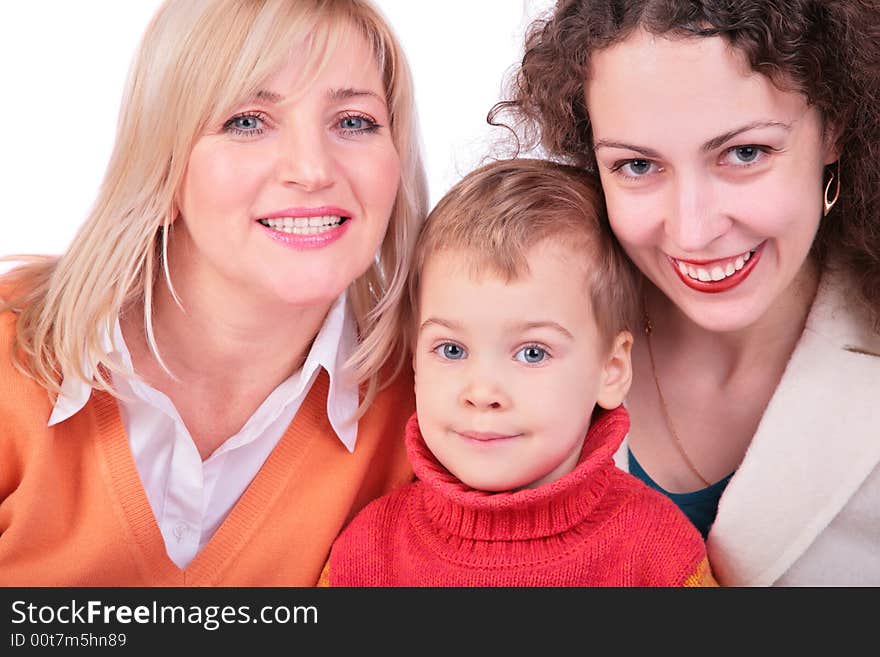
525,514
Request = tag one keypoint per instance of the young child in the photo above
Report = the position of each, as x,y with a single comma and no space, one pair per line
518,312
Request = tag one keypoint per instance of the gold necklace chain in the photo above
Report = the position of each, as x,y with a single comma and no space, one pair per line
669,425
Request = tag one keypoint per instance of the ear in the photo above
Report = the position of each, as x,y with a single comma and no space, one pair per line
174,214
616,372
177,198
831,144
410,331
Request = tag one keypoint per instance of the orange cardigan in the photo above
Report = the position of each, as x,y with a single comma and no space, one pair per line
73,511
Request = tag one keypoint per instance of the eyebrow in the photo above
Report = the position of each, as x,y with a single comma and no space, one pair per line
714,143
556,326
268,96
273,98
452,326
522,326
348,92
710,145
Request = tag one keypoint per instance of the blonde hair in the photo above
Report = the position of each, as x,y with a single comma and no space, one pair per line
496,214
198,60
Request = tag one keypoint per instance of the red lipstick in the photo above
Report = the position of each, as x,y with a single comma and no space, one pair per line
727,283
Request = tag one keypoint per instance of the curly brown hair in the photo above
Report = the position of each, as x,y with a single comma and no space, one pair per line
829,50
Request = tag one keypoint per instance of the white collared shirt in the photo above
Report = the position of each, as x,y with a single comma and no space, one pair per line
190,498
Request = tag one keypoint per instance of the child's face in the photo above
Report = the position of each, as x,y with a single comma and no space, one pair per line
508,374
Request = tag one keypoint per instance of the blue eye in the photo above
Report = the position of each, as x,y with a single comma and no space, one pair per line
532,354
635,168
351,123
245,124
747,154
639,167
450,351
357,124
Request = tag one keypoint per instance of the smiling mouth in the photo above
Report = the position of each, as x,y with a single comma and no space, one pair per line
304,225
716,271
720,275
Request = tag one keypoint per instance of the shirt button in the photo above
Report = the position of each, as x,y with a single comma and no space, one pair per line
180,531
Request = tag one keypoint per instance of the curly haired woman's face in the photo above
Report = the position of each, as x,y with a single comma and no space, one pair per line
713,176
289,198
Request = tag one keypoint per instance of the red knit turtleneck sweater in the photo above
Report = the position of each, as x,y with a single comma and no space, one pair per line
595,526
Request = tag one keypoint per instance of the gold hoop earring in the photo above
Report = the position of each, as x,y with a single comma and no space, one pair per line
830,203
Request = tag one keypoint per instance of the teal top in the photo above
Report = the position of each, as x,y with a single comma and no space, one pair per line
700,506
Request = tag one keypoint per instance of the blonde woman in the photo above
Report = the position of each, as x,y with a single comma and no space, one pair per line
206,386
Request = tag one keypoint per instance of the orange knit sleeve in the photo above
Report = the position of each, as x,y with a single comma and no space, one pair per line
702,576
324,578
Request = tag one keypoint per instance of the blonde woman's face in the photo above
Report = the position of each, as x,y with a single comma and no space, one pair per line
289,198
712,175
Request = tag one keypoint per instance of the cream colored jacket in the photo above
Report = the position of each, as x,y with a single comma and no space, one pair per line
803,508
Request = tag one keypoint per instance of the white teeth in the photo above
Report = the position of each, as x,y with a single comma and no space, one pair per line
717,272
303,225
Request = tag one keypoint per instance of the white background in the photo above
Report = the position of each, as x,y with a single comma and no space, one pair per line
63,65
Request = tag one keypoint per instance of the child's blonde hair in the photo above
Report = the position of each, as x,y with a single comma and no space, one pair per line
496,214
198,60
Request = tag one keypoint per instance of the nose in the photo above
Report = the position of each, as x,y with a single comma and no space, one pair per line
304,158
695,219
483,390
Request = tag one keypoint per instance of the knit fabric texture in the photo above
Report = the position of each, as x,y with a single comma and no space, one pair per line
73,511
595,526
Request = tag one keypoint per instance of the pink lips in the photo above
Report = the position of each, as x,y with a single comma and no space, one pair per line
307,242
321,211
486,437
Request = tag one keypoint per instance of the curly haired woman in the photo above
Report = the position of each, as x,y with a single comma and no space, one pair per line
737,144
